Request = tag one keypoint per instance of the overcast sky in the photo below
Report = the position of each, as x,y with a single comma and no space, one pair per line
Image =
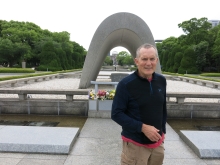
81,18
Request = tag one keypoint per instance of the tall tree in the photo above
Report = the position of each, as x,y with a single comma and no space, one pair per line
216,51
201,50
188,62
49,59
177,59
7,51
196,29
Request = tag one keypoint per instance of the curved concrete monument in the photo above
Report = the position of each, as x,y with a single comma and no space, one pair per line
120,29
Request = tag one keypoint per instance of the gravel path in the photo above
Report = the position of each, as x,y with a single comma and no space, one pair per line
73,83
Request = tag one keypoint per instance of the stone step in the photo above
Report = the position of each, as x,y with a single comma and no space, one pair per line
34,139
204,143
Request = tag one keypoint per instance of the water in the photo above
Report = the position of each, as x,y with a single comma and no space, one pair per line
79,121
194,124
43,120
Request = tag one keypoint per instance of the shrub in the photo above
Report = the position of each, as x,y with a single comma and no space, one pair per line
50,68
16,70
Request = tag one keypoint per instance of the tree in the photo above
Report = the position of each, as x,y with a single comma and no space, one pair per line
78,55
61,36
164,52
177,59
165,59
62,58
159,51
188,62
27,41
124,58
120,57
108,61
6,51
196,29
49,59
216,51
128,60
201,50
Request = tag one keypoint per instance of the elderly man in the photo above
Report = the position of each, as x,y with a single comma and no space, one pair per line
139,106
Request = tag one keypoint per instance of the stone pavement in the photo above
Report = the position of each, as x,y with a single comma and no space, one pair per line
204,143
99,143
35,139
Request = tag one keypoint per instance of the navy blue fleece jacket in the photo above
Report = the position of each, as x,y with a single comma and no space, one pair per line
139,101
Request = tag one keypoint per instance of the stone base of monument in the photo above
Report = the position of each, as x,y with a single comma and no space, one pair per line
34,139
204,143
106,114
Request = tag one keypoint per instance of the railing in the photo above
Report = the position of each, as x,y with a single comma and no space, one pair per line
207,83
22,94
28,79
180,97
70,106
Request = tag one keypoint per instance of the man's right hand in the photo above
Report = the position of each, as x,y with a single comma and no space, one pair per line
151,132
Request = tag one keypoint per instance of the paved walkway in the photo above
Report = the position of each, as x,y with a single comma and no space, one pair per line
99,143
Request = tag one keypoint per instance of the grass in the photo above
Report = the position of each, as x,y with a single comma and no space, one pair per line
203,76
30,75
16,70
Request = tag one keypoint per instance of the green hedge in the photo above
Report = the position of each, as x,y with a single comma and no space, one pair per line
46,68
193,76
16,70
210,74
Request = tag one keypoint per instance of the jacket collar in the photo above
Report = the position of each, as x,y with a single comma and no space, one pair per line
154,75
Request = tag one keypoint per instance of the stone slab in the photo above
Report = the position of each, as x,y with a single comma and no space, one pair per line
116,77
99,114
34,139
204,143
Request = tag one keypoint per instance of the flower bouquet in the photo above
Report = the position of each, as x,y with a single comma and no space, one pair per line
102,95
91,95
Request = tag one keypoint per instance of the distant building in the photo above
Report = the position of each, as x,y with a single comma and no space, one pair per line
214,22
158,40
114,57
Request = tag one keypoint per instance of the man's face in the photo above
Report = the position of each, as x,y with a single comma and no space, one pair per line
146,62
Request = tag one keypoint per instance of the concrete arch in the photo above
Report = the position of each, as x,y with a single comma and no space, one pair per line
120,29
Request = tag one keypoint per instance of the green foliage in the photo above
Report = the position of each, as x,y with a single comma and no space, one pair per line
24,41
120,57
108,61
216,50
165,59
205,43
128,60
124,58
49,59
36,74
174,74
210,74
48,68
16,70
159,50
196,29
177,59
192,76
188,62
201,50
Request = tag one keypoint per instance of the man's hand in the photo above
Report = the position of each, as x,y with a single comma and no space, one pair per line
151,132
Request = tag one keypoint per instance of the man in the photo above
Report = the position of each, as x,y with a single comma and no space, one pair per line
139,106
